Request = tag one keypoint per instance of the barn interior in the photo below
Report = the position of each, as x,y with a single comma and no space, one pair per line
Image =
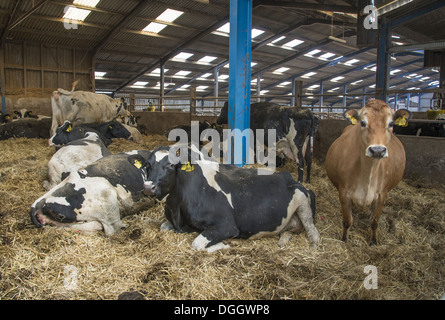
170,61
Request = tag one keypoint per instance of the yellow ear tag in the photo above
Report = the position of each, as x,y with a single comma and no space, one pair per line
187,167
353,120
401,122
137,164
69,129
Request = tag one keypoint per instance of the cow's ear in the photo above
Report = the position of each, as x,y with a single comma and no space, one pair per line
352,115
401,117
137,161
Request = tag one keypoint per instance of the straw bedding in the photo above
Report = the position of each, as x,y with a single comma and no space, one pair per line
142,262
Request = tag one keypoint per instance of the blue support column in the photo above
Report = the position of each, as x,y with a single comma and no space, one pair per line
240,48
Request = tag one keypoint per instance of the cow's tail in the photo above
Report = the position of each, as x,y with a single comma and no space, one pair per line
314,130
74,85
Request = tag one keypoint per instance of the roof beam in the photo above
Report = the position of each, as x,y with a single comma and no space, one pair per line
139,7
171,54
26,15
308,6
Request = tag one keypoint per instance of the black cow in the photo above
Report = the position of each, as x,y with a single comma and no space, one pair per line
97,196
5,117
421,128
24,113
26,128
225,201
106,131
295,129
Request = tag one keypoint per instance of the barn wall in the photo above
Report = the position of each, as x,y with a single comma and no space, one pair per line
160,122
36,70
425,156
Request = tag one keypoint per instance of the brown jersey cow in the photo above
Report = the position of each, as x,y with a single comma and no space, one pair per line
367,160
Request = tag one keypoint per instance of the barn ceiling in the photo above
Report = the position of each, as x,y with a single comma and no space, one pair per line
292,40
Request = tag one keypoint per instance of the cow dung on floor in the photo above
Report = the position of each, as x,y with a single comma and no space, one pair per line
54,263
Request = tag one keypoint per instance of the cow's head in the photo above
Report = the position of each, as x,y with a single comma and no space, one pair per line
117,130
161,173
67,133
376,121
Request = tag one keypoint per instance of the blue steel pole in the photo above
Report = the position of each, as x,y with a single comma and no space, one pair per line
240,49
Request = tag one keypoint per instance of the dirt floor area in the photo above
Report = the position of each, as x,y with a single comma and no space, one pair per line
54,263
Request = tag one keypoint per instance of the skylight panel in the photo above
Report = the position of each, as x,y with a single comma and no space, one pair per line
281,70
87,3
434,83
312,53
154,27
169,15
336,79
207,59
223,77
356,82
206,75
182,73
293,43
141,83
351,62
225,28
256,32
278,39
99,74
76,14
285,83
201,88
183,56
395,71
309,74
326,56
333,89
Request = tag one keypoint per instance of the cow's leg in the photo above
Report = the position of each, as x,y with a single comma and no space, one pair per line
308,154
346,206
376,211
304,213
212,237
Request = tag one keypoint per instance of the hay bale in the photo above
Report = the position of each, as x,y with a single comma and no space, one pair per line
142,262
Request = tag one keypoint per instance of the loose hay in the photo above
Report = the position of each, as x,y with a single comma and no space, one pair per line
141,261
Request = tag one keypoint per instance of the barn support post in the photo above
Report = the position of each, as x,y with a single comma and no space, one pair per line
321,97
161,85
383,63
364,97
258,87
240,48
344,97
216,86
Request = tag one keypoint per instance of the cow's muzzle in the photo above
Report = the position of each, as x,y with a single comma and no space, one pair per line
149,188
377,152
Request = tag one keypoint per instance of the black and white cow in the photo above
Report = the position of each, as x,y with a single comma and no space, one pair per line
26,128
106,132
295,129
97,196
24,113
225,201
74,156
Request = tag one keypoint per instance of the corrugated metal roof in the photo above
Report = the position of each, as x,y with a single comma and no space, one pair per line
129,52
